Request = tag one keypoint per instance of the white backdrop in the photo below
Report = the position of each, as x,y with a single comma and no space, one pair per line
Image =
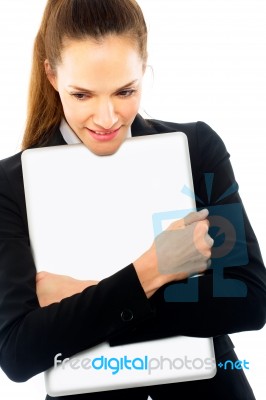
209,64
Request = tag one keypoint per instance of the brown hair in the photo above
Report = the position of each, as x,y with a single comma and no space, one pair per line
73,20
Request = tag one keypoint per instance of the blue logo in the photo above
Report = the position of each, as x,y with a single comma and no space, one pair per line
229,248
231,365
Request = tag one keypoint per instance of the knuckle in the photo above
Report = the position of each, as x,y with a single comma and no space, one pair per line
202,224
204,267
208,254
206,224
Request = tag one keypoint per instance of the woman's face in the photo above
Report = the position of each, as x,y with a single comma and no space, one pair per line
100,89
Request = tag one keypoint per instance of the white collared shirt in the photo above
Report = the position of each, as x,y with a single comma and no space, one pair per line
69,135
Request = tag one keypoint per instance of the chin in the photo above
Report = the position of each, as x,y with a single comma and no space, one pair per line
104,150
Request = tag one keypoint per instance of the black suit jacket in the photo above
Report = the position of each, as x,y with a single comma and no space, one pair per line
30,336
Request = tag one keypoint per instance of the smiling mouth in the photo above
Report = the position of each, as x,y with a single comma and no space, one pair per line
102,133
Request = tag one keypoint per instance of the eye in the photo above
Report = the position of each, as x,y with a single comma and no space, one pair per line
126,92
80,96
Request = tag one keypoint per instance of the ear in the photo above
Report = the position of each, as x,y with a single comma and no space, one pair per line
144,68
50,74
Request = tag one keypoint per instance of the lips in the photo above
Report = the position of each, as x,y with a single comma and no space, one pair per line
106,132
103,135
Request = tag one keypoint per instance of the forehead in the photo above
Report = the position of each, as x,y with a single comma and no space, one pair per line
110,61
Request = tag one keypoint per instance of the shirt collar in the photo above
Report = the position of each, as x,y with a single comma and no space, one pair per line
69,135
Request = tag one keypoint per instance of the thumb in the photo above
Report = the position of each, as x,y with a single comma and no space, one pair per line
196,216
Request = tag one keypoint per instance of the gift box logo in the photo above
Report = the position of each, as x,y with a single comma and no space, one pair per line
229,249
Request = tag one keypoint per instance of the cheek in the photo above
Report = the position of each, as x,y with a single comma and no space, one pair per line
130,108
74,110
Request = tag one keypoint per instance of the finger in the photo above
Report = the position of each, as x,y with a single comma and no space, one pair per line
40,275
196,216
202,240
179,224
209,240
204,269
201,228
203,225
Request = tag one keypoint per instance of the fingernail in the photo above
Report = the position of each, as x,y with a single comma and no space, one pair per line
205,211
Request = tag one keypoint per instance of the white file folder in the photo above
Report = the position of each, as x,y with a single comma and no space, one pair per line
103,210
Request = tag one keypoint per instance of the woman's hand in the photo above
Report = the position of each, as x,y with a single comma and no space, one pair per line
182,250
52,288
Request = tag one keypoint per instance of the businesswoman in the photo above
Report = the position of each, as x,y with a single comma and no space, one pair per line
88,65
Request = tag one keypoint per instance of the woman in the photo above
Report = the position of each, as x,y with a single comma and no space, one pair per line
89,61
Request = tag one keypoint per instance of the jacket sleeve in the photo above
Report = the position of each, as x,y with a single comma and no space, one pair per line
30,336
231,296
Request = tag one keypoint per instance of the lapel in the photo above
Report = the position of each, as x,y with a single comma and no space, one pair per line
141,126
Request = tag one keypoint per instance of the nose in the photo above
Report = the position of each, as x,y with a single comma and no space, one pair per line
105,115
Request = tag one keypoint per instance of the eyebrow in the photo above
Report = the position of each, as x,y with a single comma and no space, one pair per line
92,92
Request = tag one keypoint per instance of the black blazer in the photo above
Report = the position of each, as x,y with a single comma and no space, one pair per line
30,336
